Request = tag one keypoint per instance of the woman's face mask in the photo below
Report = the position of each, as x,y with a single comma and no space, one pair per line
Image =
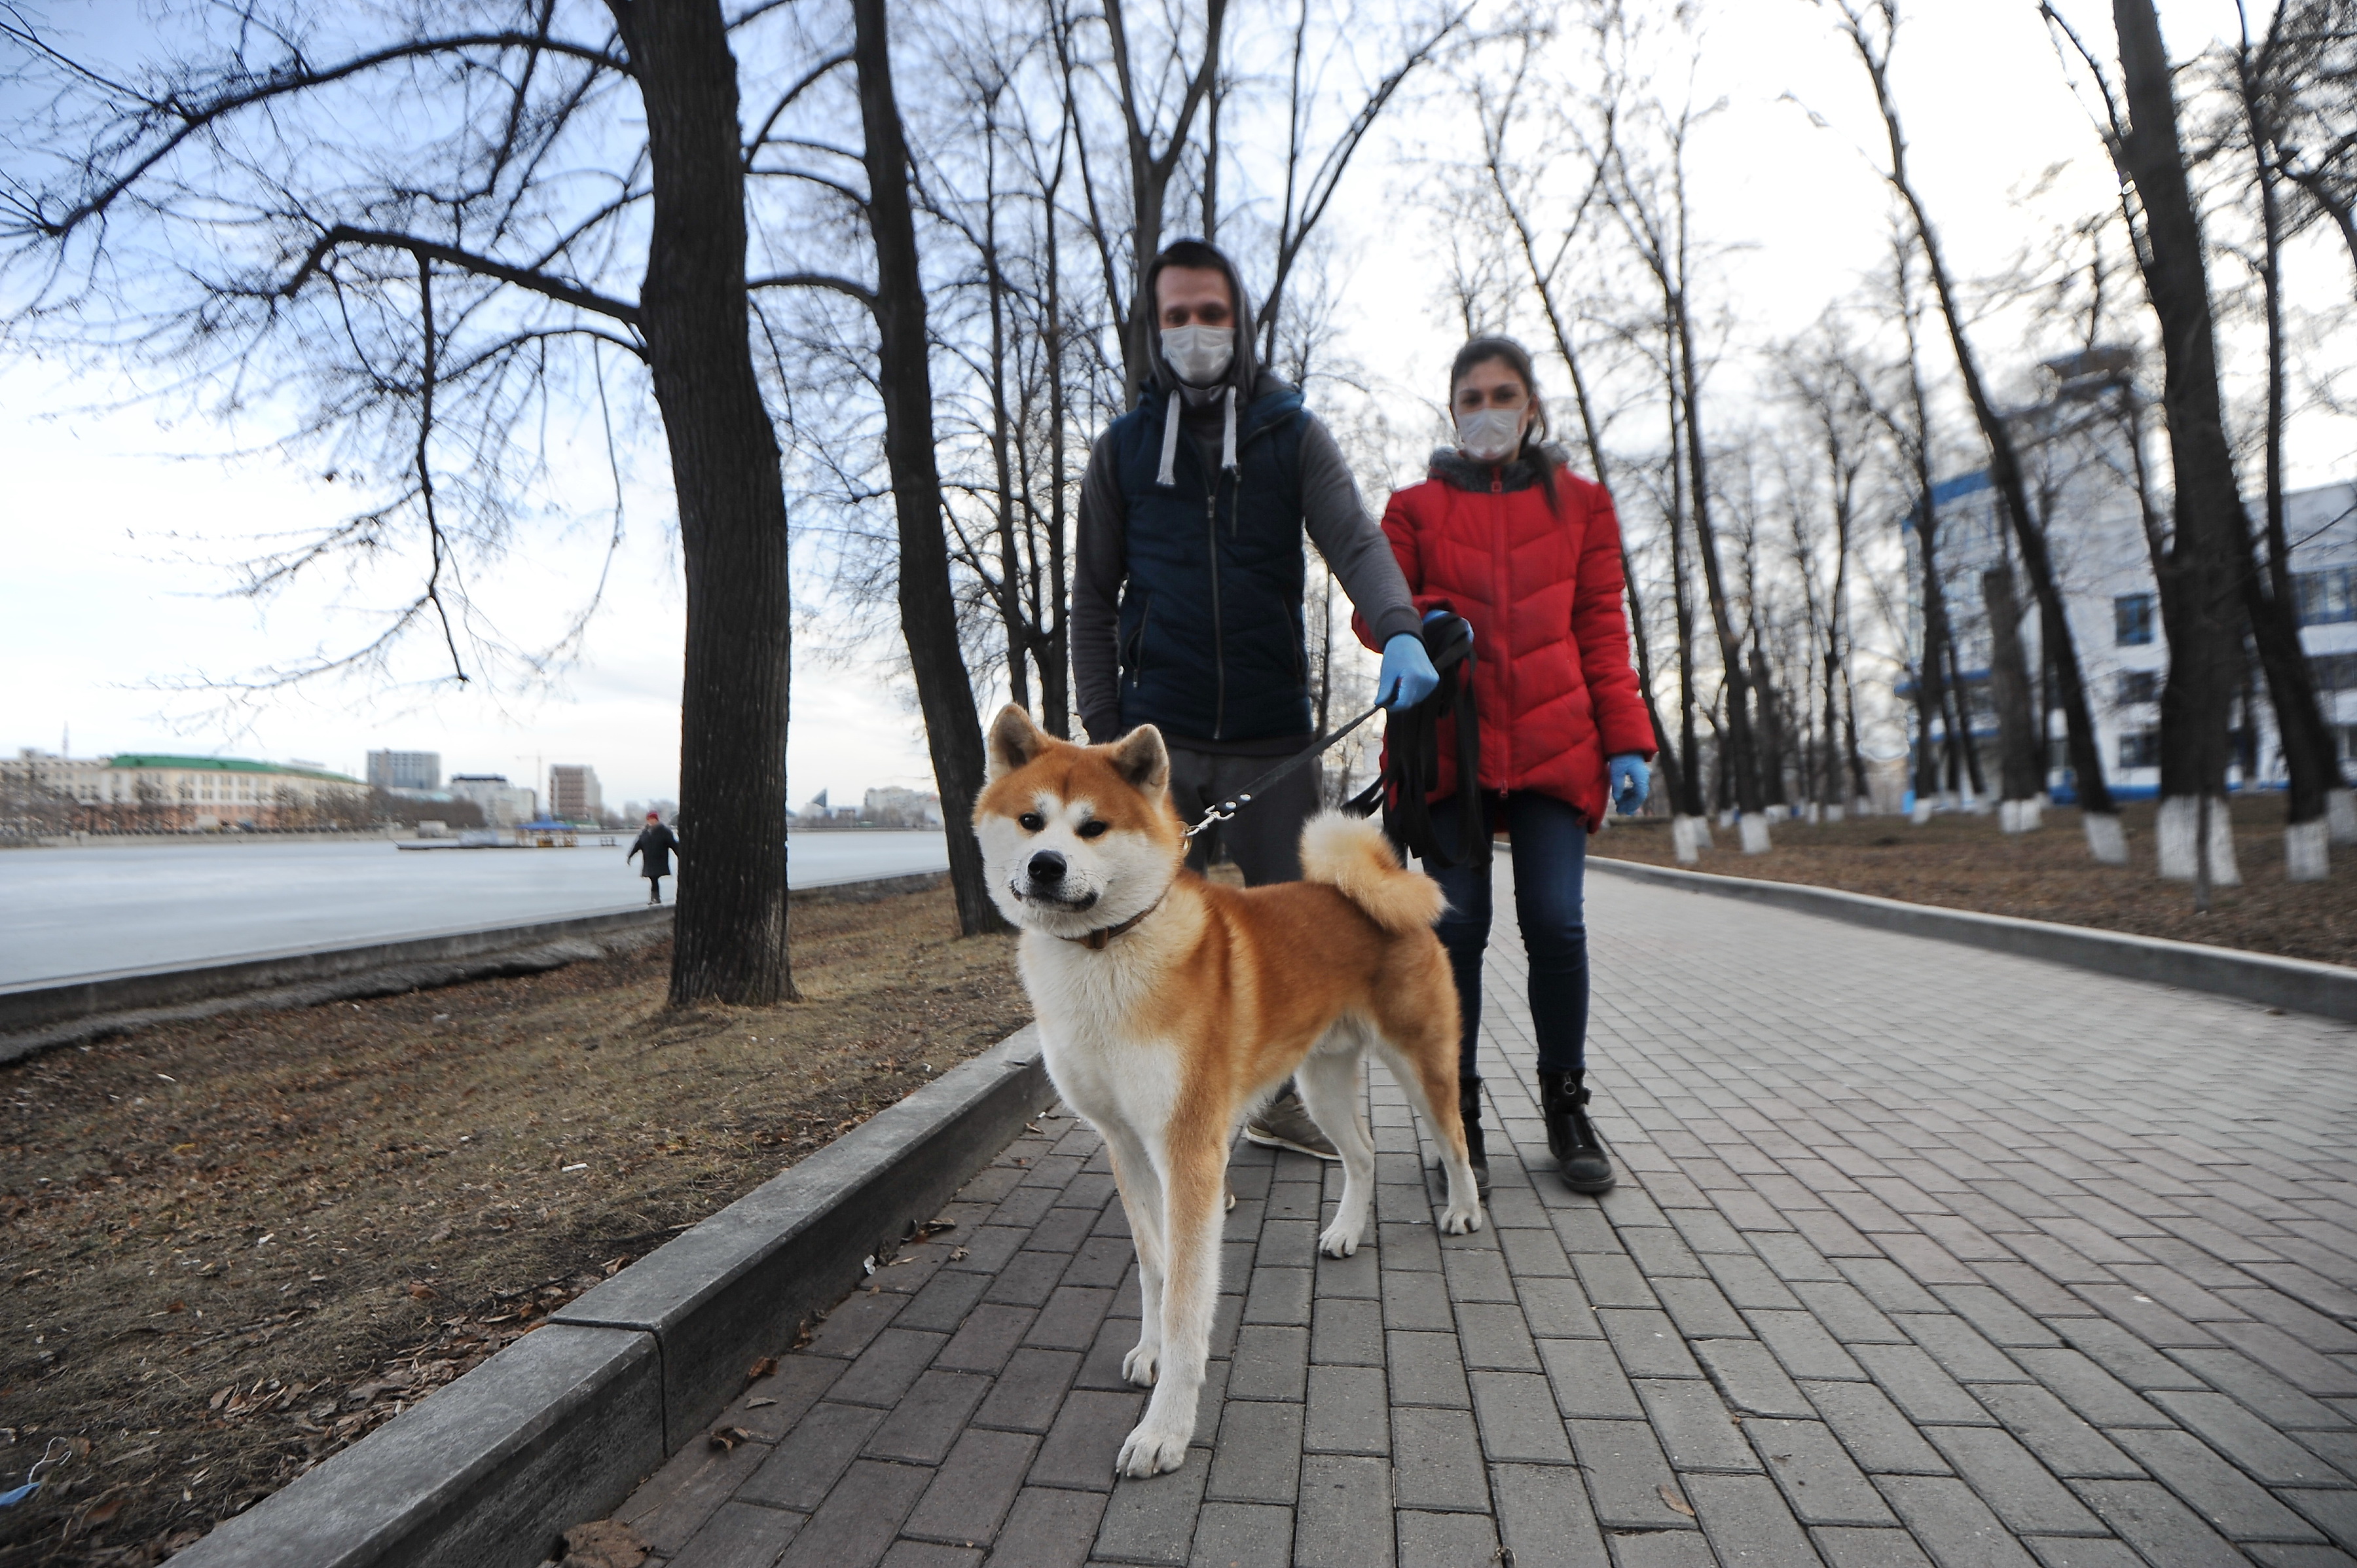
1199,355
1491,435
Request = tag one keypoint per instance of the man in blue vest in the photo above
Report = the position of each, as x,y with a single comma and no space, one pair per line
1186,607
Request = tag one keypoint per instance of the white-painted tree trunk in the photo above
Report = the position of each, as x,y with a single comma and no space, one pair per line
1833,813
2018,816
2179,832
2105,841
1755,834
1689,836
2340,811
1727,818
2307,853
1920,813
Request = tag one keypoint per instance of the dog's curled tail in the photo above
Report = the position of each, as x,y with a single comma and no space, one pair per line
1351,855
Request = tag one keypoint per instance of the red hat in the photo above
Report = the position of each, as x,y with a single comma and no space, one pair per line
655,816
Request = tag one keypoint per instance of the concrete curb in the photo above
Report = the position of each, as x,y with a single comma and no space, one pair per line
557,1428
2299,985
48,1013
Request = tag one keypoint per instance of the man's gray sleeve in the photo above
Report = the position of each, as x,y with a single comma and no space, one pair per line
1351,542
1101,566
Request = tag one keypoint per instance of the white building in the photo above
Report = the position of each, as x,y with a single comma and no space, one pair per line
2082,462
404,770
503,804
895,806
152,793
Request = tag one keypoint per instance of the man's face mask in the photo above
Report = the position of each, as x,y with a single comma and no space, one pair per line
1489,434
1199,355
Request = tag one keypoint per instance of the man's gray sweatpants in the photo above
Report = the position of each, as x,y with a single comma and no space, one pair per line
1265,837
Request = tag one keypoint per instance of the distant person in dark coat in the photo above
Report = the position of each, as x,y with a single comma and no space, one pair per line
656,844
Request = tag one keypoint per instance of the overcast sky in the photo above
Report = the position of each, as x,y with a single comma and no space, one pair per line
116,522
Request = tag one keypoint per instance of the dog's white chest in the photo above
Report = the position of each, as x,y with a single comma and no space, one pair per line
1105,1065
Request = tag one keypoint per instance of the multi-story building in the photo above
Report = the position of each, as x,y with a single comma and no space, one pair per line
404,770
503,804
896,807
573,794
149,792
2101,497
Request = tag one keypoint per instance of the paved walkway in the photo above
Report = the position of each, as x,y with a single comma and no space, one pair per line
1922,1255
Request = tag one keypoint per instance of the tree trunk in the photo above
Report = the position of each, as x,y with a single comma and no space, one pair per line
904,374
730,929
1931,667
1743,762
2203,554
1055,647
2020,776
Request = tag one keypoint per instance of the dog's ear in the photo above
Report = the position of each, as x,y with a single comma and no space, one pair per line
1142,758
1015,740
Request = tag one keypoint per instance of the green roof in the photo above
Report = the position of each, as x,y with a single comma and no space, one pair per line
222,765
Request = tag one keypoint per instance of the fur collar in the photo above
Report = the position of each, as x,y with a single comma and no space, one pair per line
1453,467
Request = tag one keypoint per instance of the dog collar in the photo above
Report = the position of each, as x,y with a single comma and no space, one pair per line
1095,940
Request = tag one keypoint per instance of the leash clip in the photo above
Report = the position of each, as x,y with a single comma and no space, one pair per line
1225,810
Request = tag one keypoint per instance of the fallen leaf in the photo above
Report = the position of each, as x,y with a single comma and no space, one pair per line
106,1510
761,1369
421,1291
727,1437
958,1256
757,1404
1676,1501
603,1543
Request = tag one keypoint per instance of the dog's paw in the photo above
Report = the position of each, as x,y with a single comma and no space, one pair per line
1340,1239
1150,1451
1140,1365
1461,1222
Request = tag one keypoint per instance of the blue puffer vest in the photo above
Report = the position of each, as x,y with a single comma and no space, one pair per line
1211,644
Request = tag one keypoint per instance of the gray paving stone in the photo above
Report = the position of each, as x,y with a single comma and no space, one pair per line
973,1488
1747,1524
2064,1443
1258,1456
1694,1427
888,1367
1611,1279
927,1421
1625,1471
1476,1272
1081,1447
1660,1250
1820,1483
1417,1300
1749,1374
1953,1524
2083,1551
1803,1347
947,1297
1997,1318
1852,1548
1439,1462
2334,1512
2286,1356
1357,1277
1346,1332
1344,1518
2087,1388
1648,1344
1270,1362
1534,1254
1348,1411
1888,1286
1278,1297
1661,1549
1444,1539
2166,1531
1543,1517
1554,1308
1587,1379
1877,1437
2265,1393
1411,1245
1068,1322
741,1535
1494,1338
2270,1456
1518,1419
1242,1535
1025,1397
2235,1505
1152,1521
1048,1528
1427,1369
2010,1480
1959,1347
1793,1258
1698,1309
1918,1385
859,1518
811,1458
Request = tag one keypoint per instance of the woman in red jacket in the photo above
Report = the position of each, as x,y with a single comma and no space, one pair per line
1530,554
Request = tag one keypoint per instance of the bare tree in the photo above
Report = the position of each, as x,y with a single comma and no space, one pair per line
230,212
1872,43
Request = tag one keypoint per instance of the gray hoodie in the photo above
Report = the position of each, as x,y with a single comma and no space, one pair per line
1332,514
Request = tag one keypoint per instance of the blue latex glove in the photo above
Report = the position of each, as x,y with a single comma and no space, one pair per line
1631,782
1407,676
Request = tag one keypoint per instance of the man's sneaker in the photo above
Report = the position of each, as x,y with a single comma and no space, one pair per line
1285,1125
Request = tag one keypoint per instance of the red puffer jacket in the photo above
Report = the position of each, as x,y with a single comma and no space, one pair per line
1541,588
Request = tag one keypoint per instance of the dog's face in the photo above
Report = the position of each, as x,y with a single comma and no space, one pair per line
1075,838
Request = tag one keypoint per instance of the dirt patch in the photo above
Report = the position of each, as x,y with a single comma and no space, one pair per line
1963,862
230,1247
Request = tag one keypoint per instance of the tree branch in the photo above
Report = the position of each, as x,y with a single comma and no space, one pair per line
466,260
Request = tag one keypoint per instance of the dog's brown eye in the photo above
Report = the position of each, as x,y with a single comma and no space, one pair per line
1032,821
1092,830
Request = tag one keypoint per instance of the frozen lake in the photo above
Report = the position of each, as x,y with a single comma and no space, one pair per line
83,911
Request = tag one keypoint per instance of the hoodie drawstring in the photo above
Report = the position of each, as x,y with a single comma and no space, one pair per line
1227,437
1169,476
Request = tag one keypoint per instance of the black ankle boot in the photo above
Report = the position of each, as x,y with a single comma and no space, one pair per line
1571,1137
1468,1111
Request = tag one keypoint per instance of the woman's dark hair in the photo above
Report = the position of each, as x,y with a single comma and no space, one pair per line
1481,351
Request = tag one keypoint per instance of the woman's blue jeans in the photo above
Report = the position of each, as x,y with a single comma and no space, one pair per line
1550,851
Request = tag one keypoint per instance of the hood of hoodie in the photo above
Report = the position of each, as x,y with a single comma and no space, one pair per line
1244,370
1515,474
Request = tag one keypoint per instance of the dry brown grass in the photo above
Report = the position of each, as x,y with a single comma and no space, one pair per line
229,1248
1965,863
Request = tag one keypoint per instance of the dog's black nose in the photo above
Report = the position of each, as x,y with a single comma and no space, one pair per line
1046,867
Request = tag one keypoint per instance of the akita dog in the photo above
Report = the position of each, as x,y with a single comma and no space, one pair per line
1169,1007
